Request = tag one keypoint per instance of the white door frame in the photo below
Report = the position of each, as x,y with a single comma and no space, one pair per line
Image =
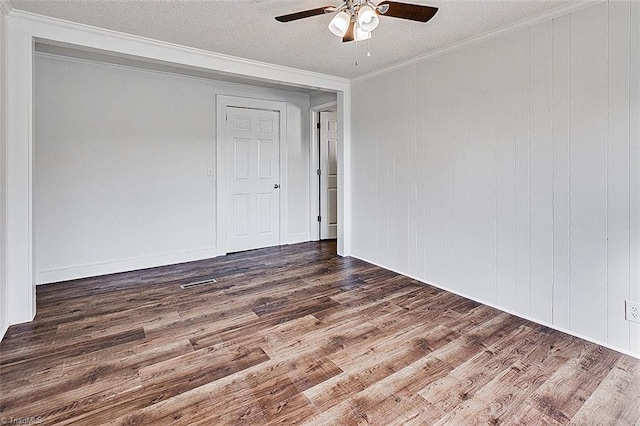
314,161
222,102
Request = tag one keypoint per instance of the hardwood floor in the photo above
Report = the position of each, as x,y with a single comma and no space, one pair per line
295,335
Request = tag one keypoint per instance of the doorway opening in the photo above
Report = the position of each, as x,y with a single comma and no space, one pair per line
328,175
324,165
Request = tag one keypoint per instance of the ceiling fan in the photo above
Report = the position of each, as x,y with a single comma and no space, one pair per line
356,19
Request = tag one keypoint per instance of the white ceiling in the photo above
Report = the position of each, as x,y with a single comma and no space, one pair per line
247,28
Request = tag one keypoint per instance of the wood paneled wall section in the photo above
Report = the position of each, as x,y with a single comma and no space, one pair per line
4,320
508,171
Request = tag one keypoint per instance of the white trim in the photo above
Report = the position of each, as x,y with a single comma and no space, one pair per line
21,300
508,311
5,9
634,176
4,304
314,194
47,276
284,90
57,30
552,14
344,173
222,102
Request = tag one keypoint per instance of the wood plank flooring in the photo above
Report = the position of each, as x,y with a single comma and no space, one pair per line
297,335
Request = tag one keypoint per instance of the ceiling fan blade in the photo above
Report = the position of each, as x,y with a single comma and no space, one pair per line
305,14
413,12
350,34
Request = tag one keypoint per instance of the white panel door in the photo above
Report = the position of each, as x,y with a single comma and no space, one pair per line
253,171
328,175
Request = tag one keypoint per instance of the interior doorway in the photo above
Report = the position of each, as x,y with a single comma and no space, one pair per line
328,175
323,201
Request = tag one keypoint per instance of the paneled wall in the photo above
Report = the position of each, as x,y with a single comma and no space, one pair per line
507,171
4,321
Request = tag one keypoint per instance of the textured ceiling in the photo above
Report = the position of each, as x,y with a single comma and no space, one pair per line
247,28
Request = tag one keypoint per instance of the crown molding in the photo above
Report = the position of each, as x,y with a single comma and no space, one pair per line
5,7
552,14
47,28
333,82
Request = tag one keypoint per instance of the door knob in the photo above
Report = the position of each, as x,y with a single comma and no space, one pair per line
276,186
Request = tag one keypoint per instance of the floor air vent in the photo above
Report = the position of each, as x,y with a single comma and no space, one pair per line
197,283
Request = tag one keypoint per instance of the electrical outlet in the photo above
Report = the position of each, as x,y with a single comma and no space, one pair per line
632,311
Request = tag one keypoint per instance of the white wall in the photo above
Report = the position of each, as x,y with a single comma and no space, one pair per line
4,320
507,171
322,98
121,157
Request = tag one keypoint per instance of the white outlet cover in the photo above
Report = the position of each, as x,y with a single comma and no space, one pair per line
632,311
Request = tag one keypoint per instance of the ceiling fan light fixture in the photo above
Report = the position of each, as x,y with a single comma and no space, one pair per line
340,23
367,18
361,35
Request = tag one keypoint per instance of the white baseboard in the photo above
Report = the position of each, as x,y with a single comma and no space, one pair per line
302,237
47,276
3,331
508,311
